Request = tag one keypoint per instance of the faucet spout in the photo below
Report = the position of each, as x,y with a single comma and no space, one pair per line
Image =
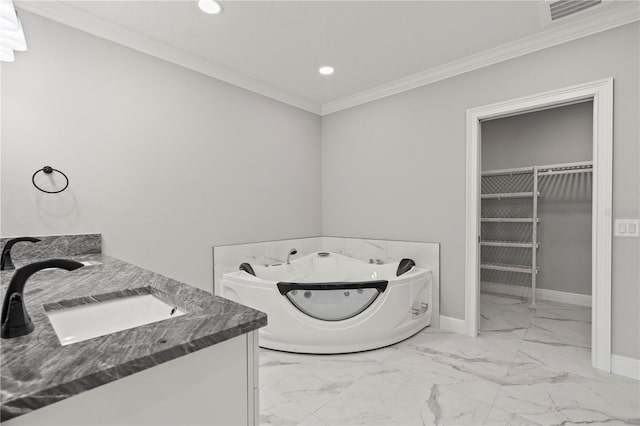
6,262
15,318
291,253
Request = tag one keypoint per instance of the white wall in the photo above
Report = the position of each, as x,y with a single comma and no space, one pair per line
163,161
395,168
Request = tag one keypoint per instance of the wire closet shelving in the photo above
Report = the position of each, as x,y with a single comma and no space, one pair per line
532,197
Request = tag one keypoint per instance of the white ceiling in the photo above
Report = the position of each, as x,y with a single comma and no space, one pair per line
280,44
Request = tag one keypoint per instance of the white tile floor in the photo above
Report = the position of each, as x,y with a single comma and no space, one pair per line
527,368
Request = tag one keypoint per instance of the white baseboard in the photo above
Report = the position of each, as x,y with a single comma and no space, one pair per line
564,297
625,366
541,293
453,325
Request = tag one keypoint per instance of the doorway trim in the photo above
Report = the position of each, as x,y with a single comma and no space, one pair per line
601,93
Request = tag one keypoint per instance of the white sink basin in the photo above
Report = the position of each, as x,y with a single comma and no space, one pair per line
91,320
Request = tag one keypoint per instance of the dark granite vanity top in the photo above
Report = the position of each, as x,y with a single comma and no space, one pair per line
37,370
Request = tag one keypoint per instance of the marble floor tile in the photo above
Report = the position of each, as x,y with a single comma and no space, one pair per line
536,359
312,421
385,397
431,338
571,403
562,312
488,299
269,398
488,357
382,353
484,349
482,391
499,417
515,334
314,381
527,367
276,410
527,371
431,367
447,406
504,314
560,332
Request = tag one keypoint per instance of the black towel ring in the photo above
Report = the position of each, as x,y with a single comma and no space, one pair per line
48,170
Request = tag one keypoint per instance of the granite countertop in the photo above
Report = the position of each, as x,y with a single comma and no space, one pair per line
37,370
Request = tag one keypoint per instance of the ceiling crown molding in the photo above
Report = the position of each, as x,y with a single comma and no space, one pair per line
607,19
84,21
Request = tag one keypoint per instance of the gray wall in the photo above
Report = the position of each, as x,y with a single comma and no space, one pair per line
395,168
558,135
163,161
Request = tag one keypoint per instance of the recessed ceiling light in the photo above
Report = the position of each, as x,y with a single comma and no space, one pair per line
326,70
210,6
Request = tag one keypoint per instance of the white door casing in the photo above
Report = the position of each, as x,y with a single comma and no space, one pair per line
601,92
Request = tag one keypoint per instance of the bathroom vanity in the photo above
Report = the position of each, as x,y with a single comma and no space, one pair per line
199,367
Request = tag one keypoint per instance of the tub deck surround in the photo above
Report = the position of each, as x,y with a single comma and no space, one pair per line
53,246
38,371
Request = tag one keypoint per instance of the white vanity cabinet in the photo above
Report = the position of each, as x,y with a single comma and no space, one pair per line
217,385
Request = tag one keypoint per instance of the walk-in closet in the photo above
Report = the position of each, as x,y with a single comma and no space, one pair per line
536,224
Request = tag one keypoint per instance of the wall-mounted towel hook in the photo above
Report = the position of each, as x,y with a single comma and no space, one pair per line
48,170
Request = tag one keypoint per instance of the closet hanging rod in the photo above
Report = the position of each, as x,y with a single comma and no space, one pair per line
545,168
566,166
516,171
492,243
566,172
509,219
510,268
501,195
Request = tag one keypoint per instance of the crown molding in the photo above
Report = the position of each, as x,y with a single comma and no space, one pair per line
607,19
86,22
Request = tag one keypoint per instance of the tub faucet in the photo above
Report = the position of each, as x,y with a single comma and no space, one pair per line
291,253
15,318
6,262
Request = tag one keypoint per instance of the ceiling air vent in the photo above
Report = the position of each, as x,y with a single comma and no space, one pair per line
551,11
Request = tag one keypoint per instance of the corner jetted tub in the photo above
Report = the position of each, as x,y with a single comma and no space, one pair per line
327,303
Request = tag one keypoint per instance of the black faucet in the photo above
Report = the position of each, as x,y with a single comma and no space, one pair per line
15,319
5,261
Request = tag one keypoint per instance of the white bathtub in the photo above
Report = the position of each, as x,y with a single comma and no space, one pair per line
328,303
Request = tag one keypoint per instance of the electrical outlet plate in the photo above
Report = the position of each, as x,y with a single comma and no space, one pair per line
627,228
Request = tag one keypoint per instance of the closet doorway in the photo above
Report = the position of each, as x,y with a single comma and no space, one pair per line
535,229
538,229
